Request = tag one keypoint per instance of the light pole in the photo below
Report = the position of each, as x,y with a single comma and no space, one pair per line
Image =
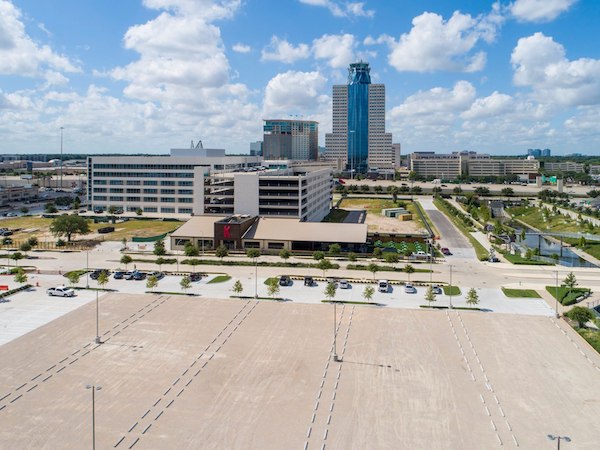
558,439
556,296
335,355
94,388
97,340
255,278
61,157
87,269
450,288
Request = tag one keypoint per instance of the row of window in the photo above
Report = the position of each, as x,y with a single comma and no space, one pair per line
152,209
143,175
145,166
115,198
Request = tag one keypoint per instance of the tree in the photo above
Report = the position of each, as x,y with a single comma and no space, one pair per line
221,252
368,293
237,287
472,296
50,208
378,189
126,259
437,190
20,276
580,314
507,192
365,188
523,234
190,250
335,249
24,209
394,191
318,255
457,190
377,252
284,254
69,225
25,247
330,290
273,287
139,211
124,242
409,269
253,253
416,190
160,261
151,282
430,294
76,203
352,256
570,281
391,258
159,248
185,283
373,268
324,265
74,277
33,241
193,262
16,256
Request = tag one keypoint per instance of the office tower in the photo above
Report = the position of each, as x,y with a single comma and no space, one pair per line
290,139
358,140
256,148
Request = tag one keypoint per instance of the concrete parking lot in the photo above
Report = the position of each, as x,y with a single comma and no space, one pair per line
195,372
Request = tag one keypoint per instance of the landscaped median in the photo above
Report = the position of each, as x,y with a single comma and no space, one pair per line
520,293
461,221
568,296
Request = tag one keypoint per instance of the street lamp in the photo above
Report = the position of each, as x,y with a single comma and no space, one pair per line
61,157
87,269
335,355
94,388
256,278
450,288
558,439
556,296
97,340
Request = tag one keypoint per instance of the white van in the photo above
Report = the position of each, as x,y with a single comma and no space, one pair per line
383,285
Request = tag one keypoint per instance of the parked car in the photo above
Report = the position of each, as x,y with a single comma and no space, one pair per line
118,275
96,273
308,281
383,285
436,289
285,280
195,276
158,275
129,275
445,251
410,289
344,284
61,291
139,275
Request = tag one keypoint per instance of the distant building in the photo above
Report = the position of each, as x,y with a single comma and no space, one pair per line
451,166
546,152
358,140
567,166
290,139
256,148
534,152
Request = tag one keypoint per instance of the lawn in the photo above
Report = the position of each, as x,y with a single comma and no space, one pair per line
516,259
336,216
372,205
451,290
565,297
592,336
219,279
520,293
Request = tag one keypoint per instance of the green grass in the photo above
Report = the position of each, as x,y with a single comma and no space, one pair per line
413,207
480,250
591,336
451,290
336,216
219,279
270,280
564,297
520,293
516,259
372,205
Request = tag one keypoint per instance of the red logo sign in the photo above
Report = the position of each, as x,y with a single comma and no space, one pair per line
227,231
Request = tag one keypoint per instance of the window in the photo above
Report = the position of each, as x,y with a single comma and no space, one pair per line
133,182
167,210
186,200
150,209
186,183
151,199
251,244
150,183
275,245
116,199
116,182
167,183
185,192
133,191
116,190
167,200
185,210
134,199
150,191
168,191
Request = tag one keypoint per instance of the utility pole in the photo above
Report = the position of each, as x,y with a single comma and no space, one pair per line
61,157
94,388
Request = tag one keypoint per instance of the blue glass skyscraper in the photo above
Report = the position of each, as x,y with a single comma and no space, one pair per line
359,80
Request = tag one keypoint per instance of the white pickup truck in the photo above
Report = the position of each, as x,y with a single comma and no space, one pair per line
61,291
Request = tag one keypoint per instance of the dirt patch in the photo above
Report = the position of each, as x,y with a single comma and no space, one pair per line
376,222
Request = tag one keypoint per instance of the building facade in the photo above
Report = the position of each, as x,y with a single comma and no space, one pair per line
358,139
290,139
567,166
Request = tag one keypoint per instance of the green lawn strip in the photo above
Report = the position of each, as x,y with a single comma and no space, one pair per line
384,268
218,262
519,260
80,272
564,297
271,280
251,297
15,290
350,302
520,293
591,336
480,251
336,216
189,294
451,290
220,279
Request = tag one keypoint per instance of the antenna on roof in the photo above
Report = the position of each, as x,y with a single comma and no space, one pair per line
199,144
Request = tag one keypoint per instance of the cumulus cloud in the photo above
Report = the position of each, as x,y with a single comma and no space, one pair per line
489,106
539,10
241,48
291,92
19,54
206,9
437,103
341,8
540,63
436,44
281,50
337,49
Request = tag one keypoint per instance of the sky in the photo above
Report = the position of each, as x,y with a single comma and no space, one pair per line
149,75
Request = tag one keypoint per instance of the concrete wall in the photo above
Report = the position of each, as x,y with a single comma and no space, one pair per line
246,194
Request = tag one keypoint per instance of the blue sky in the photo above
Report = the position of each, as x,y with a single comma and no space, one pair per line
149,75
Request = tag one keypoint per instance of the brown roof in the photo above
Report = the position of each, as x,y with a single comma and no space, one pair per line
277,229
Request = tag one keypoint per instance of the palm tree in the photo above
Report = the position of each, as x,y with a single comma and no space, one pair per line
409,269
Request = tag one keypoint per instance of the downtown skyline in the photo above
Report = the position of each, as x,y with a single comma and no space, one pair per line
150,75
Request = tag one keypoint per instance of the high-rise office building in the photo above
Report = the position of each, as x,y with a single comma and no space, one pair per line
290,139
358,140
256,148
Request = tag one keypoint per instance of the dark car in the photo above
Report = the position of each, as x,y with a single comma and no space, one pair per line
158,275
118,275
96,273
139,275
285,280
195,276
445,251
308,281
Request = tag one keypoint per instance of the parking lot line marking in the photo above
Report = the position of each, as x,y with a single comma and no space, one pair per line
134,442
47,378
180,392
508,426
32,388
146,429
75,360
316,405
171,402
487,411
146,413
119,441
5,396
37,376
159,414
16,398
515,440
308,432
134,425
493,425
325,434
24,384
157,402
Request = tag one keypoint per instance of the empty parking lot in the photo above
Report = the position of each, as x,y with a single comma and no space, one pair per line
181,372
